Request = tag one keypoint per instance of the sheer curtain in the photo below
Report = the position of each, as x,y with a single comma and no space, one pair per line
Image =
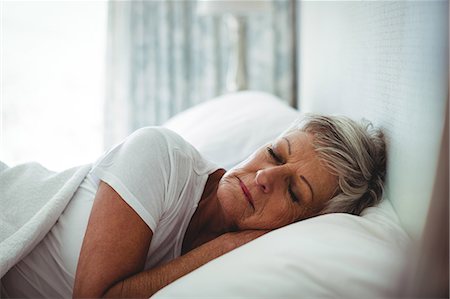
164,58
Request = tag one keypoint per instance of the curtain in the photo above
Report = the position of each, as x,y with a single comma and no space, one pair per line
162,58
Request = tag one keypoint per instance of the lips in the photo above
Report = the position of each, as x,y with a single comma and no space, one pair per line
247,193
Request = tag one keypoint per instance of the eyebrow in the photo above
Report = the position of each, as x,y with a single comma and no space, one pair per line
301,176
289,144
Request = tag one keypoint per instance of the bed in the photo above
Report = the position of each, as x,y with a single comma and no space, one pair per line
385,76
384,61
336,255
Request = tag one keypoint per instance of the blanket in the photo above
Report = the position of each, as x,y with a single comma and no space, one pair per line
31,200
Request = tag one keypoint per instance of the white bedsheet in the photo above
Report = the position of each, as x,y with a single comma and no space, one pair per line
31,200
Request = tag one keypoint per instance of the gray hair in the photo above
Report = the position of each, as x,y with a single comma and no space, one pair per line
355,153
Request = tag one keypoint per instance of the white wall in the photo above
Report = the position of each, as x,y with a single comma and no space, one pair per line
386,61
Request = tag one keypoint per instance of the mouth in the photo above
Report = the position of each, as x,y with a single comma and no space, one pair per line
247,193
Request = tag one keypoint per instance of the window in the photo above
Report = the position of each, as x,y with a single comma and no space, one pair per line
52,82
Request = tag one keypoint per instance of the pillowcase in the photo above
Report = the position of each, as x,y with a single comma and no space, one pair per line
336,255
227,129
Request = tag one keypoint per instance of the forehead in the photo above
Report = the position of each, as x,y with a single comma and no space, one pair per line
299,151
306,161
297,142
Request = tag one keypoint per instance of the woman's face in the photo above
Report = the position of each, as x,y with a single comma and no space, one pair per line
280,183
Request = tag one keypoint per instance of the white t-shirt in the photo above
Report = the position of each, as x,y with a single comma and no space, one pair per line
156,172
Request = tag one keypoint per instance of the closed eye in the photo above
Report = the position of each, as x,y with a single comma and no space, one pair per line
274,156
292,194
278,159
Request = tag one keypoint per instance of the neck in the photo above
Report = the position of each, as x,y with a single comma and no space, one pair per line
208,221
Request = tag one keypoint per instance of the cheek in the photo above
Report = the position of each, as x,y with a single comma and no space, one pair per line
229,200
277,214
225,193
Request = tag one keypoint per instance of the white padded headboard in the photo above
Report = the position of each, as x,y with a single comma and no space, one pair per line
386,61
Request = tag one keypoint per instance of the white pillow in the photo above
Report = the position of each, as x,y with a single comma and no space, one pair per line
227,129
336,255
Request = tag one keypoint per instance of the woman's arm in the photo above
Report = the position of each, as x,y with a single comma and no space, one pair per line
147,283
115,248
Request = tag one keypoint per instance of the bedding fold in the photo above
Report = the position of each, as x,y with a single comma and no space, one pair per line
31,200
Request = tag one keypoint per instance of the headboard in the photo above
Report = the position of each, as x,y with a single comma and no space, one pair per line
387,62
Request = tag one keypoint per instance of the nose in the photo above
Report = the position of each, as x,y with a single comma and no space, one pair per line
267,178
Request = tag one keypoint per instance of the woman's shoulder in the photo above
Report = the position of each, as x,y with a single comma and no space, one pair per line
157,136
167,146
153,132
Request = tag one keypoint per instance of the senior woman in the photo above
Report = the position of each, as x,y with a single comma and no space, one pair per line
152,209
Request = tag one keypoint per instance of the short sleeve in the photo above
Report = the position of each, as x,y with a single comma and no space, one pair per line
138,169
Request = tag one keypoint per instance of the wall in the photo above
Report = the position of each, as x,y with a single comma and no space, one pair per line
385,61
